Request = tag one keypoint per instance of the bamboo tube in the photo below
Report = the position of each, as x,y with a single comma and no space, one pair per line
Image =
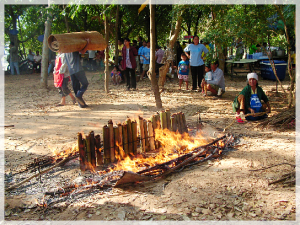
125,138
173,123
163,119
181,123
98,151
76,41
185,129
134,136
158,121
81,151
88,149
129,130
142,134
111,141
92,148
121,146
147,144
151,135
153,120
116,139
106,146
177,118
168,115
154,126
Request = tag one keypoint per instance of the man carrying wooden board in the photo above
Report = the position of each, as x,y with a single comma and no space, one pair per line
78,77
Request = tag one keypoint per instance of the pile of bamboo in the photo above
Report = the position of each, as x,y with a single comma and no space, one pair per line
125,139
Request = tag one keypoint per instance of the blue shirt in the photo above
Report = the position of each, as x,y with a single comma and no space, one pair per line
73,62
140,52
146,53
196,53
183,67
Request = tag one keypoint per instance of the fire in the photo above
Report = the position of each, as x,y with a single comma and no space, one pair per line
173,146
66,152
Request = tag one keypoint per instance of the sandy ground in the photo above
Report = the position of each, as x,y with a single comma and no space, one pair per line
223,189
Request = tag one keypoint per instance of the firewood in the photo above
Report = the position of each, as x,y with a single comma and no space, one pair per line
134,136
125,138
151,136
142,134
81,151
111,141
106,146
129,135
92,148
147,144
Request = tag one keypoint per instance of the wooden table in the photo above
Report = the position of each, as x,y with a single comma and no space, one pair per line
242,61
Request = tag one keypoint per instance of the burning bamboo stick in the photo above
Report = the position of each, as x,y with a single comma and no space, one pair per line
81,151
134,136
142,134
125,138
180,123
173,123
106,145
185,129
98,151
155,126
168,115
88,149
163,119
116,139
147,144
121,146
111,140
129,130
151,135
92,148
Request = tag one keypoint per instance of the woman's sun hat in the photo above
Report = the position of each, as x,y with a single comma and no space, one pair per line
252,75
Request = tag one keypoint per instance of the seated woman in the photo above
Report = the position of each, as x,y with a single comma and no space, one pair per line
249,100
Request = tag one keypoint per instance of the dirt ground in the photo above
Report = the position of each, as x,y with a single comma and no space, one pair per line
222,189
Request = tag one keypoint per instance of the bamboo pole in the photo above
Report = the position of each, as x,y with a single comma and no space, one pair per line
134,136
154,126
125,138
181,123
92,147
185,129
121,147
168,115
151,135
98,150
147,144
173,123
163,120
106,146
142,134
116,143
179,128
88,149
158,124
129,130
81,151
111,141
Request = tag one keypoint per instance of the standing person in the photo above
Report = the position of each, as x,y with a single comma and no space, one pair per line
14,58
140,53
129,64
146,56
196,61
79,80
51,59
37,62
183,71
134,44
159,54
61,77
92,62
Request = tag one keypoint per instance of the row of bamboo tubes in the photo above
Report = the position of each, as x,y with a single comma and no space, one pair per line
129,138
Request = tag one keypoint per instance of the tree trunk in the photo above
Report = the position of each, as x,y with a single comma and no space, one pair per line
151,72
173,37
106,54
117,37
44,66
66,20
